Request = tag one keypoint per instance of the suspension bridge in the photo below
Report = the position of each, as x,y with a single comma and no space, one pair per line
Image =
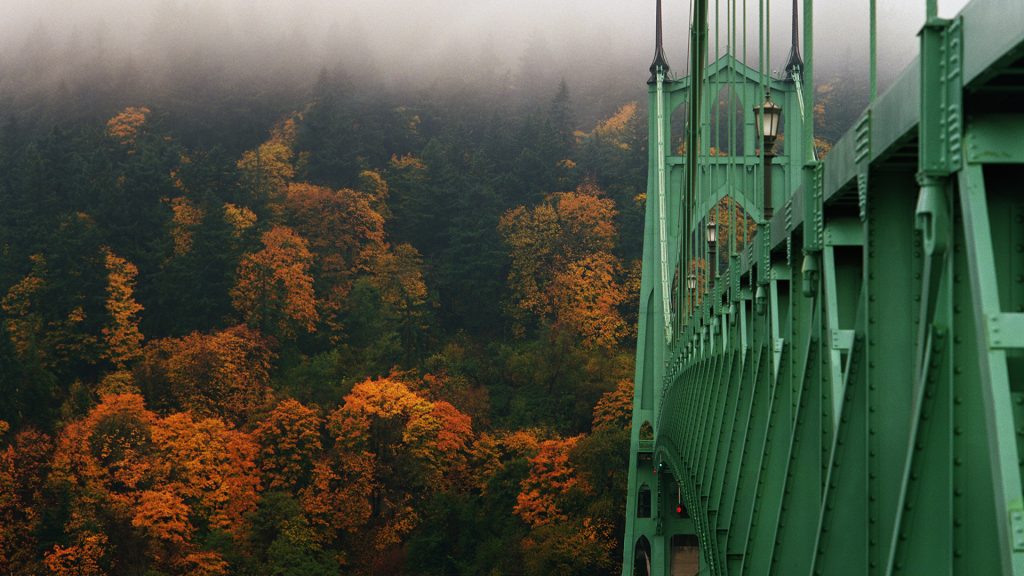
830,355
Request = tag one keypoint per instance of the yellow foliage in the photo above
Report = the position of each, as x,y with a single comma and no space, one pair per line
126,125
239,217
398,275
274,289
122,336
23,325
407,161
617,122
562,268
587,295
185,216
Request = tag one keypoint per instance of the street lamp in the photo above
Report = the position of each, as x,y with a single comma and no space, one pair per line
712,236
766,119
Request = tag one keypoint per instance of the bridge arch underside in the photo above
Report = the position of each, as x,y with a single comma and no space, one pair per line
686,460
742,190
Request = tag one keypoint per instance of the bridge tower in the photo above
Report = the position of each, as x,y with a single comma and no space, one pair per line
731,173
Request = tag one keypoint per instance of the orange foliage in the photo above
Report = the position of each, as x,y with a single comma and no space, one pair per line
23,470
202,563
562,269
402,521
105,459
223,373
586,297
289,440
82,559
439,440
127,124
493,451
345,232
274,289
615,408
163,476
163,515
121,336
211,467
391,448
340,496
551,476
383,403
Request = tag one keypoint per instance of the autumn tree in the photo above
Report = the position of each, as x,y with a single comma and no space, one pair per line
494,452
551,477
127,124
562,267
289,441
211,468
186,216
24,323
122,338
163,517
224,373
267,169
274,288
586,297
615,408
408,447
102,463
24,465
84,558
153,482
55,313
241,222
346,237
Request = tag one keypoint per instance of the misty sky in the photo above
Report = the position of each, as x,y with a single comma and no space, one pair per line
431,39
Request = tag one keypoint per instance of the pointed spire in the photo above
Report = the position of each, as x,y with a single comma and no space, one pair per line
795,61
659,50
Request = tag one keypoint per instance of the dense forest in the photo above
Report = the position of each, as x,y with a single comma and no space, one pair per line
369,337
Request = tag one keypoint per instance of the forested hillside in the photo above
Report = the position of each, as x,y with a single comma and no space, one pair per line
365,336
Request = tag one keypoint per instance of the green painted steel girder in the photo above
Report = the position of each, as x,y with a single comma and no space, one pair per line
846,395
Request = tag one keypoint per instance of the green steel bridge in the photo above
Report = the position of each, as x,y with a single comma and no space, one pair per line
830,360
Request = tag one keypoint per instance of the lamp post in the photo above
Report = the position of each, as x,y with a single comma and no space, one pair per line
691,285
766,119
712,238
